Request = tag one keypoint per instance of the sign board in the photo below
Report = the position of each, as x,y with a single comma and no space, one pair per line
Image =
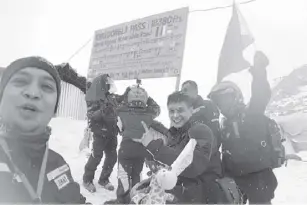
151,47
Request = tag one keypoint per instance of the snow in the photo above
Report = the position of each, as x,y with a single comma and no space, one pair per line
67,134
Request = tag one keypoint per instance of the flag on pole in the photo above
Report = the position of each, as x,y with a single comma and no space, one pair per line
237,39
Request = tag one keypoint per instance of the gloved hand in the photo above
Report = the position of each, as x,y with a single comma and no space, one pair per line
97,115
261,61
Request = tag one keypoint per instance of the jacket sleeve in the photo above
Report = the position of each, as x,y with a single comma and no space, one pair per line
260,91
153,107
206,144
69,193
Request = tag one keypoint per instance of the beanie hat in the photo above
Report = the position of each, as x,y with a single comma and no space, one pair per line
35,62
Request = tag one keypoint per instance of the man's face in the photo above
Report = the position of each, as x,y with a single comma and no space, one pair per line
29,100
189,90
226,104
179,113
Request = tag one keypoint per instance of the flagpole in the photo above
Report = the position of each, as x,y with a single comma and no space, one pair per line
178,82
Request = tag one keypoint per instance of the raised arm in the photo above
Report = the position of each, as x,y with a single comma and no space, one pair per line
260,91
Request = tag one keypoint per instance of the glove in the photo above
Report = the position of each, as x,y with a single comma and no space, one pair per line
260,63
197,132
261,60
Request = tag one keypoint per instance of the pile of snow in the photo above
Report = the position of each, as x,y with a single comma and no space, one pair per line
67,134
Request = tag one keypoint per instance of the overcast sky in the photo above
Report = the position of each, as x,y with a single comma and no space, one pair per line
55,29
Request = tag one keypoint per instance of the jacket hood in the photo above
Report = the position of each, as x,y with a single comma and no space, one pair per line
98,89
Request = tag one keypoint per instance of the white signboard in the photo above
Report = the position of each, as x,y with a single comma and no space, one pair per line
151,47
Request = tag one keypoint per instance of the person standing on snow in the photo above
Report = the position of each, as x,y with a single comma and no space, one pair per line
197,183
137,107
30,172
204,110
246,155
102,117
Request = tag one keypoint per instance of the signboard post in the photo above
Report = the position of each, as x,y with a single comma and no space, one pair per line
151,47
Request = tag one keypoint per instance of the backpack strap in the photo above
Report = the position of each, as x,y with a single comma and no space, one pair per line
35,196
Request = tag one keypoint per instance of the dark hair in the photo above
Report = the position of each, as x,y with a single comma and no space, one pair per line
192,83
178,97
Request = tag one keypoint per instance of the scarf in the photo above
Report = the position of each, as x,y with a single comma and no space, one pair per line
32,146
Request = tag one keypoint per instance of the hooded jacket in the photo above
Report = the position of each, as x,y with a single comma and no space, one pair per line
249,122
101,108
27,154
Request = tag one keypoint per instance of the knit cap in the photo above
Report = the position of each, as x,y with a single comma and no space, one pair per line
35,62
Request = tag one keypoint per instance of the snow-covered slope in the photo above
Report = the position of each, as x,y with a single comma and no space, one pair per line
290,94
67,134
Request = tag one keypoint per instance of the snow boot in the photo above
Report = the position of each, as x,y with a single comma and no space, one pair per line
107,185
89,186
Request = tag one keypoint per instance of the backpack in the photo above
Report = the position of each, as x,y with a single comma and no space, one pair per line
276,138
251,145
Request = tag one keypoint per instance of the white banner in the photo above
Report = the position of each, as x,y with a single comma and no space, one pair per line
151,47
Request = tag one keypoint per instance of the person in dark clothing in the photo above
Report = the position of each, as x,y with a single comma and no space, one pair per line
204,110
243,126
102,119
197,183
137,107
30,172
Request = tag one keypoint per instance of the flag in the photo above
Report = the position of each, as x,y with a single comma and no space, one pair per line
237,39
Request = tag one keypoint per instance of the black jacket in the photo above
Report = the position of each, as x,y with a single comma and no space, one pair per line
250,122
101,108
206,160
208,113
59,186
102,116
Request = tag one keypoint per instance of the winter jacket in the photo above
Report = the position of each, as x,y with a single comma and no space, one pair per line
132,116
101,107
206,160
208,113
102,115
250,122
27,155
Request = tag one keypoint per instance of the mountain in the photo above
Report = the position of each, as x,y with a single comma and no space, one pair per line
290,94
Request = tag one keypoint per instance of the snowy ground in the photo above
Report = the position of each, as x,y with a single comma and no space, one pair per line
67,134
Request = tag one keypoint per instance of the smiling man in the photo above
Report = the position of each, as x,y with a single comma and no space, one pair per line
197,183
30,172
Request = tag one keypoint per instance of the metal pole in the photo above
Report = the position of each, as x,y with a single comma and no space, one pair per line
178,82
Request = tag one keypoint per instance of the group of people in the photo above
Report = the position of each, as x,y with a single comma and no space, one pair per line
235,150
246,158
